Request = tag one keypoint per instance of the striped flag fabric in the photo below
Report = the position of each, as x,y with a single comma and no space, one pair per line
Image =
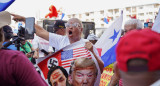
70,55
156,25
4,4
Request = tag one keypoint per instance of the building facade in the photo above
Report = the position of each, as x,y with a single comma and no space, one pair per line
143,12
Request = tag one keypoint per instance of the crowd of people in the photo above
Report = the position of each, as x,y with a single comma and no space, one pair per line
138,53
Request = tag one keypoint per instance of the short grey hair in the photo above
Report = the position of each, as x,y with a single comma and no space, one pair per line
77,21
137,22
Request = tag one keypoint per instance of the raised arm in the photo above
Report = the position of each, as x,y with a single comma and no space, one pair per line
39,30
89,46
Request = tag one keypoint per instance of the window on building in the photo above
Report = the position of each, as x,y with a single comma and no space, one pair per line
69,16
102,25
128,16
150,13
80,15
142,20
87,14
156,6
141,7
128,9
87,19
111,18
141,14
110,11
102,12
134,9
117,16
116,11
102,19
91,13
92,20
73,15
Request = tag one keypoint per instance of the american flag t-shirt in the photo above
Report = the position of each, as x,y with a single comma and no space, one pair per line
70,55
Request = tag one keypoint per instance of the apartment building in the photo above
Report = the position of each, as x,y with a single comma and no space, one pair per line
143,12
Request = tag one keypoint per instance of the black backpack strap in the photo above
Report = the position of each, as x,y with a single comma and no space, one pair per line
24,49
29,44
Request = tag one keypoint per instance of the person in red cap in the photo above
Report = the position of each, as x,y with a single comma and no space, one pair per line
138,56
129,25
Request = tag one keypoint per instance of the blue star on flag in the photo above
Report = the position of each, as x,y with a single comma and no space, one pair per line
114,35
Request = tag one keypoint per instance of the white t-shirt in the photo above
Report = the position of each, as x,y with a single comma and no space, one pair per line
41,43
59,41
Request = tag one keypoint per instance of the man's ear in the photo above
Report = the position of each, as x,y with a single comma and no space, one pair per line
81,29
70,80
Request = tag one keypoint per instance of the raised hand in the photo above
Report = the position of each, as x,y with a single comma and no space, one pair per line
18,17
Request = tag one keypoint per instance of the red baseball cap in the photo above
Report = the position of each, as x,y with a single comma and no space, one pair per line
141,44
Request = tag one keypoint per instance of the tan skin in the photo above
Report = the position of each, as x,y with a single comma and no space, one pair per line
61,31
74,37
143,78
89,46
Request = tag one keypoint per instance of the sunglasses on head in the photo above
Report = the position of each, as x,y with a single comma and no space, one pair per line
76,25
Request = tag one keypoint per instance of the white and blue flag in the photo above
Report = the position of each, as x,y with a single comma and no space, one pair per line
4,4
108,41
156,25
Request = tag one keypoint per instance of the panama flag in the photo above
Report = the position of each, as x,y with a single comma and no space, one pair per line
156,25
65,56
107,42
4,4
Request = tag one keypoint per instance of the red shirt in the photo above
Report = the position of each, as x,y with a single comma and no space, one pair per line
17,70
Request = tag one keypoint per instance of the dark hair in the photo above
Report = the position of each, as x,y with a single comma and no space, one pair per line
52,69
8,33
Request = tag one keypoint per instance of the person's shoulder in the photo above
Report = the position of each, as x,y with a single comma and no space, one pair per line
10,52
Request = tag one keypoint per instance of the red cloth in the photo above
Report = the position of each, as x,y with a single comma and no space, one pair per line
144,44
17,70
53,12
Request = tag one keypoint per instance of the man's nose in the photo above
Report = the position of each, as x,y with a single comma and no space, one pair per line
85,79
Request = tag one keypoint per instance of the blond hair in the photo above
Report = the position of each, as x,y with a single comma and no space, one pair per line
83,63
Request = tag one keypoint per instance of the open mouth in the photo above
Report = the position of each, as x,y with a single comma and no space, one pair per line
70,32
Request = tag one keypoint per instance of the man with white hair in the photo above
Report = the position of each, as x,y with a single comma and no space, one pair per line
132,24
74,29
